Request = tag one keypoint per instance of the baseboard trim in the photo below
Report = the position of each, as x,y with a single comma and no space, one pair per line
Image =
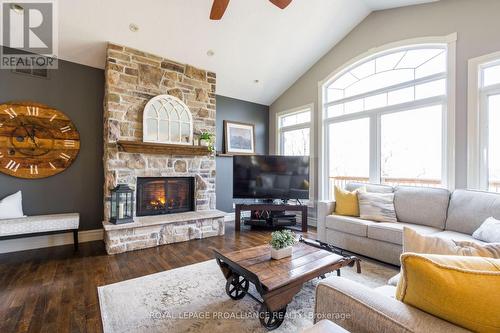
38,242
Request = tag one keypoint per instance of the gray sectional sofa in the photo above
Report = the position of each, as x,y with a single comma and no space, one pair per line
433,211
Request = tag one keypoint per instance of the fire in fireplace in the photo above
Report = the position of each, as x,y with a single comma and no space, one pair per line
164,195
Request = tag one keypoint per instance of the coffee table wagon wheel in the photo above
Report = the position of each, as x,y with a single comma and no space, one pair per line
271,319
236,286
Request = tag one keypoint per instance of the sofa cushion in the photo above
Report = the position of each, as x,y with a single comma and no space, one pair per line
422,205
346,202
464,290
374,188
458,236
415,242
469,209
393,232
348,224
377,207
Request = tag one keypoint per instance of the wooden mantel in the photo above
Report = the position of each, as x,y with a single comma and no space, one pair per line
161,148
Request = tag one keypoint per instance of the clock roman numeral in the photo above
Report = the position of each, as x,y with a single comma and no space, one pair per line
52,165
32,111
53,117
34,169
65,129
12,114
64,156
1,124
13,166
1,155
69,143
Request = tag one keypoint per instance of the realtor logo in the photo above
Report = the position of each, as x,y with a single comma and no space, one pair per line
29,34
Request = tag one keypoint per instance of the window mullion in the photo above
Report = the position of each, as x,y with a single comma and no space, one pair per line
375,149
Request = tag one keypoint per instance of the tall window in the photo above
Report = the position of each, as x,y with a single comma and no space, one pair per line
384,119
484,123
294,132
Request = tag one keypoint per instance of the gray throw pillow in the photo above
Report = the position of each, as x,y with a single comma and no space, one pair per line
377,207
489,231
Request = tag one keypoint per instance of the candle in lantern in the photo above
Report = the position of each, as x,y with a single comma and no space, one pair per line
121,210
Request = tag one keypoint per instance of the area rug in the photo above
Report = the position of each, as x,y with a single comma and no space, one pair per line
193,299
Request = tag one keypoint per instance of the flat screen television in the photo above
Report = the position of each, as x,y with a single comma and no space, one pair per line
271,177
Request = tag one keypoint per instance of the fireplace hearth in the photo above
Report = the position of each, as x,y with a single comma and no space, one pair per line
164,195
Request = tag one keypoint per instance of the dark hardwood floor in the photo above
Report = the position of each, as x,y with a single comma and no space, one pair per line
55,290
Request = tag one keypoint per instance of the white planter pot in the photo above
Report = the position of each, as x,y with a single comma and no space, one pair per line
281,253
204,143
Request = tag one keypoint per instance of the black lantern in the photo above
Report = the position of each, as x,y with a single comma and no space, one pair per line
122,203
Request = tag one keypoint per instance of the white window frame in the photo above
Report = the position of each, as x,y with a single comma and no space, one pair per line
477,119
278,134
448,102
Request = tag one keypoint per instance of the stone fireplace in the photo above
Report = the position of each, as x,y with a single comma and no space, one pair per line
175,193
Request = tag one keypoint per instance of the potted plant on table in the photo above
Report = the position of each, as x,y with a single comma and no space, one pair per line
281,244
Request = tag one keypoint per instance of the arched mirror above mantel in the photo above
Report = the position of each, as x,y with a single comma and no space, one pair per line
167,119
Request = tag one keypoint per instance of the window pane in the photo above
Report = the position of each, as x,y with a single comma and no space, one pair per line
430,89
296,142
494,143
334,94
388,62
380,80
401,96
411,147
433,66
376,101
335,110
491,75
415,58
296,118
349,151
152,129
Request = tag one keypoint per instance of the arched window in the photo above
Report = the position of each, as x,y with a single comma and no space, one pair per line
167,119
385,119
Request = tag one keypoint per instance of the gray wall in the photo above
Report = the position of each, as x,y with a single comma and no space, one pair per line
245,112
76,90
475,21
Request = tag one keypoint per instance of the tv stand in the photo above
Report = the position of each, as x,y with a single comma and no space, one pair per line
269,207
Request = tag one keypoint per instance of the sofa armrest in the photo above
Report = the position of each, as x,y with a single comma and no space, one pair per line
360,309
325,208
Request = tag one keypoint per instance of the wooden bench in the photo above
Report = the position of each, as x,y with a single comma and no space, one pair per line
34,225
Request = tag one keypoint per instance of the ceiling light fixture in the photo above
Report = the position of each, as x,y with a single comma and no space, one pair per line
256,81
17,8
210,53
133,27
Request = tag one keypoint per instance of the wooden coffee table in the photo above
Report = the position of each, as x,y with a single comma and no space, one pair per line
277,281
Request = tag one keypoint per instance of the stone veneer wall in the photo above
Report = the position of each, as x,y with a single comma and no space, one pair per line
134,77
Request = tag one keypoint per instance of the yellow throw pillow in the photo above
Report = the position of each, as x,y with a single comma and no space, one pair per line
346,203
462,290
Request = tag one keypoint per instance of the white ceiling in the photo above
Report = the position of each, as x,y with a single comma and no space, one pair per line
254,40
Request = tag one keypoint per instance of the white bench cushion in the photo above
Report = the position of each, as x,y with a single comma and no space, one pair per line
40,223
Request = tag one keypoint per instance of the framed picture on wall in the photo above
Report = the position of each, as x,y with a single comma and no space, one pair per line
239,138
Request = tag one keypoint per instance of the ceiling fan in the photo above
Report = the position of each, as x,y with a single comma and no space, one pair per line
219,7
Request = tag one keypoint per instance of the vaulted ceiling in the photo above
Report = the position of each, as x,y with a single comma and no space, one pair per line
258,49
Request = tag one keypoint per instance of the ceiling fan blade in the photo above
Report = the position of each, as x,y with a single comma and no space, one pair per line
281,3
218,9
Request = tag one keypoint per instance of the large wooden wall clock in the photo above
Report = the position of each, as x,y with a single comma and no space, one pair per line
36,141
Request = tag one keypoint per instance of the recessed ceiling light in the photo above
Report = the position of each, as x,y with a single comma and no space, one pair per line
256,81
17,8
133,27
210,53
